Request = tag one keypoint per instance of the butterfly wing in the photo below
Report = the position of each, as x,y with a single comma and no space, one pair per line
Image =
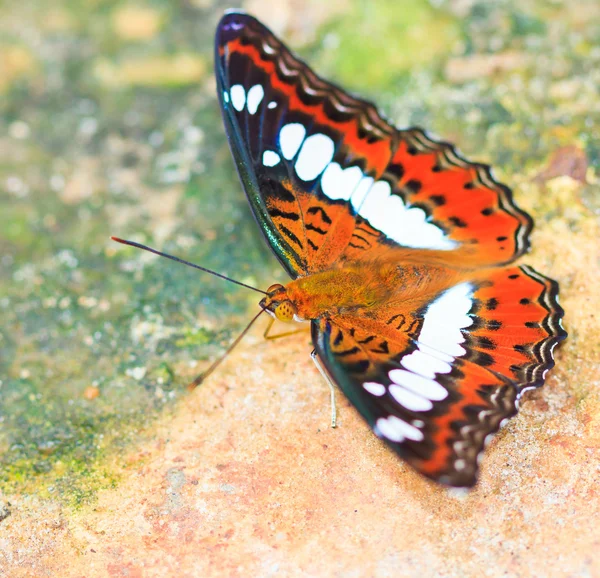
436,382
328,178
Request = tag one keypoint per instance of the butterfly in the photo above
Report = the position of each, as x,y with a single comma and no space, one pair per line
400,255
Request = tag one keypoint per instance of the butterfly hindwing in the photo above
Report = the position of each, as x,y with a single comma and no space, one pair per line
329,179
436,382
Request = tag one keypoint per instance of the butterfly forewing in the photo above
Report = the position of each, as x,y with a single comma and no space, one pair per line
321,167
286,128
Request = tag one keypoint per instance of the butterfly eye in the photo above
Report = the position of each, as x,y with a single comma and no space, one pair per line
274,288
285,311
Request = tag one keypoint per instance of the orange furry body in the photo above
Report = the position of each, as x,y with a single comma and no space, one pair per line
403,279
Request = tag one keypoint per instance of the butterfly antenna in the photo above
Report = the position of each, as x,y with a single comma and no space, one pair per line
218,361
151,250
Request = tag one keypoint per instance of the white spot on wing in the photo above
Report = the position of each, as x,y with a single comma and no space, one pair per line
268,48
425,364
272,104
377,203
444,319
225,96
406,226
397,430
238,97
374,388
270,158
360,193
460,465
290,139
409,400
338,183
316,153
418,384
255,96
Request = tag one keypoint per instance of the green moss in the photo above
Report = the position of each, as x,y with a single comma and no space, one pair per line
527,25
373,47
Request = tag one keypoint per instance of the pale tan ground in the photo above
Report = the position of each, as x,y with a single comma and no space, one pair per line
247,479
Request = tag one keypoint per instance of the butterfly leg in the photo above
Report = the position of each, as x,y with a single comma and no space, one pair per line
314,357
284,334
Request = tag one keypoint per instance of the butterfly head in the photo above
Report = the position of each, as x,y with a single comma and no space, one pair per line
278,303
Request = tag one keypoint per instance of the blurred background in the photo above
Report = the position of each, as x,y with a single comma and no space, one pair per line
109,125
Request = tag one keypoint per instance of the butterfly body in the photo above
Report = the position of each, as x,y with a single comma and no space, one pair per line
363,288
400,253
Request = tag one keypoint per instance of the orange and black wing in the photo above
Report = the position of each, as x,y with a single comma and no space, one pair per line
435,381
328,178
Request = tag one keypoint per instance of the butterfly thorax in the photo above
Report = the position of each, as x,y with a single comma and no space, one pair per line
357,288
